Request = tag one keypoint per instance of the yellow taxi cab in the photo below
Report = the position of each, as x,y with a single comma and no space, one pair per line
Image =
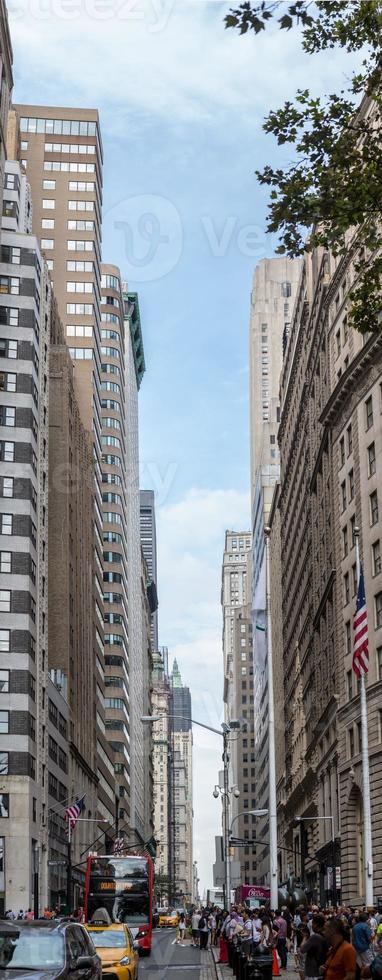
169,919
117,950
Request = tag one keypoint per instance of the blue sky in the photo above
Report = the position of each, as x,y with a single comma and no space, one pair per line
181,103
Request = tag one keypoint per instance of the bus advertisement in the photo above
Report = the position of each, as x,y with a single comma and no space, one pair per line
124,887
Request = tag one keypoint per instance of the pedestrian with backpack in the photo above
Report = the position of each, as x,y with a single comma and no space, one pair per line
203,930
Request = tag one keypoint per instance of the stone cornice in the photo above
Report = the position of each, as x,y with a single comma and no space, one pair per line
348,381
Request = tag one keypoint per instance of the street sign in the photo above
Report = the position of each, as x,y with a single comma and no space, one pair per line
57,864
240,842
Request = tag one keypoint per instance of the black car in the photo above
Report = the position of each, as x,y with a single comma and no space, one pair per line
48,950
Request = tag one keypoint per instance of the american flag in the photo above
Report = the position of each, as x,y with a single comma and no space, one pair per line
118,845
73,811
361,631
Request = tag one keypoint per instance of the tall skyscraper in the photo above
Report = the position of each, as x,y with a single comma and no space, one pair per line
242,747
137,572
162,751
235,593
61,151
25,298
272,299
182,783
115,530
149,548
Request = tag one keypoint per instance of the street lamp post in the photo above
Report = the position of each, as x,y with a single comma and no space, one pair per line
253,813
225,793
271,737
226,729
331,818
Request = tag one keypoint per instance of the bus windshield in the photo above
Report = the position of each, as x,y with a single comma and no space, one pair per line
120,885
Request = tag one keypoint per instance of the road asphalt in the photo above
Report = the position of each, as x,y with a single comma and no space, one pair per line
174,961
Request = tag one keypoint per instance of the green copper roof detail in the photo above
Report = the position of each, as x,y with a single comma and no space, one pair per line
132,314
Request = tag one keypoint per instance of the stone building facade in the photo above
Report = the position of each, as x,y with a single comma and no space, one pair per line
330,446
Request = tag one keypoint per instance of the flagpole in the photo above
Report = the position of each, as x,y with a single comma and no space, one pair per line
368,853
69,870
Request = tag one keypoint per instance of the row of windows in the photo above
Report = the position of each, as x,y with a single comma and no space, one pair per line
57,166
80,309
10,253
86,148
10,284
79,265
111,281
111,386
81,353
49,204
110,351
109,317
80,225
79,287
77,245
80,331
81,205
111,404
68,127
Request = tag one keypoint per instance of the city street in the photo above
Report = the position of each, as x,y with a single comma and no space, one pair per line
175,960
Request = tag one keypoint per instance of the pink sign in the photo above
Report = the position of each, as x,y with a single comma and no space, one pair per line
255,891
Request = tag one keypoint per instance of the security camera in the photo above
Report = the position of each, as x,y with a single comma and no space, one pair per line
216,793
236,792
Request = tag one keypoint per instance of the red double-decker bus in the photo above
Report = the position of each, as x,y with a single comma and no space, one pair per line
124,886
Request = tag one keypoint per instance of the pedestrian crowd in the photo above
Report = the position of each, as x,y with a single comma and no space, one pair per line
333,943
56,913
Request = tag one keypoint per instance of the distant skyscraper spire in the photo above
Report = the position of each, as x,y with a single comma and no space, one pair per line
176,679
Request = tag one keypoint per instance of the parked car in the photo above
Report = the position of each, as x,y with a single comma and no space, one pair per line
118,951
48,949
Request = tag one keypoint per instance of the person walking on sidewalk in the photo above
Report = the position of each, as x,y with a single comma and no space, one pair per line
195,928
203,931
340,962
281,944
181,929
361,937
316,949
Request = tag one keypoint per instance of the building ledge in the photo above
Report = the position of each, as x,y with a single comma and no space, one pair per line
349,379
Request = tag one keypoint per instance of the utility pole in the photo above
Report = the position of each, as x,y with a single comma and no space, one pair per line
226,821
36,861
271,738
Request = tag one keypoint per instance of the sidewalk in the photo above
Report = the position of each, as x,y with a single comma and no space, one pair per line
224,972
208,970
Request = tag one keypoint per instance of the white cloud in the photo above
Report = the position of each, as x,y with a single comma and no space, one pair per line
171,58
190,549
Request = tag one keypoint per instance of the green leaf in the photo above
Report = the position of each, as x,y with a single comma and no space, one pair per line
286,22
